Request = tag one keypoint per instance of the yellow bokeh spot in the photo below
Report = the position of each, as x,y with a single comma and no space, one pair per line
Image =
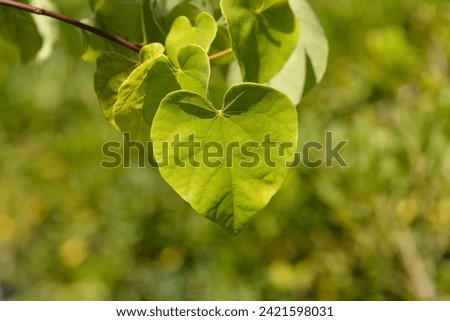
8,227
407,210
286,276
171,259
440,214
53,167
73,251
34,209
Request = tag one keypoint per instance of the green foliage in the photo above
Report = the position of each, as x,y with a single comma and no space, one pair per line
376,230
112,70
228,191
127,109
171,76
20,29
141,93
263,35
306,66
118,17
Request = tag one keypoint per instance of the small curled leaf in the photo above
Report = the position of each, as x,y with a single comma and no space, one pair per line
182,33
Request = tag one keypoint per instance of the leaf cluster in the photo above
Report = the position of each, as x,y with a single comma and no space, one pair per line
228,72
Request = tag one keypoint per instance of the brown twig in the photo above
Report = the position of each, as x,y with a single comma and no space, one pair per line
26,7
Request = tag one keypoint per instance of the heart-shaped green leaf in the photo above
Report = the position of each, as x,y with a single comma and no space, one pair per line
141,93
229,162
263,34
112,70
183,33
307,64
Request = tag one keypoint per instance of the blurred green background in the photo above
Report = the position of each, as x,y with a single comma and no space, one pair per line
376,230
